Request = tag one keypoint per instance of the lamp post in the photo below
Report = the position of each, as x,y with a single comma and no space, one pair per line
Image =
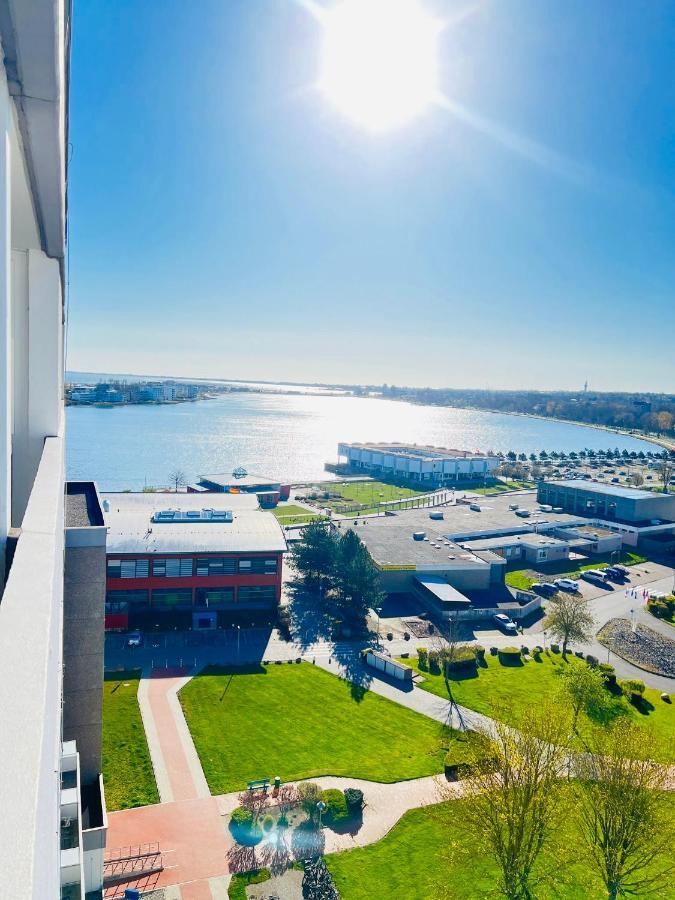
238,636
378,610
544,640
321,807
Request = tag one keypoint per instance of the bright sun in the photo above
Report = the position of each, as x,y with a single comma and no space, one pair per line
379,61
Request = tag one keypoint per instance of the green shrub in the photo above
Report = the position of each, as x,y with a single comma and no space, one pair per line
309,793
480,652
463,658
354,799
592,661
423,658
336,811
633,688
660,609
555,648
509,656
434,663
242,818
237,889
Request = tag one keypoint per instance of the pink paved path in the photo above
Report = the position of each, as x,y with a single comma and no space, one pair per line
190,831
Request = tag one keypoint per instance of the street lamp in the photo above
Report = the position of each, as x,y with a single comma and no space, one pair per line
378,610
321,807
238,636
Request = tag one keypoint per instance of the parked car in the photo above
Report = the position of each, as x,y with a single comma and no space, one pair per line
506,625
544,588
595,576
135,639
614,574
567,584
656,595
624,571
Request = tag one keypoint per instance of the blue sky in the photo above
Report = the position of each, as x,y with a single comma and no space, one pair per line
226,221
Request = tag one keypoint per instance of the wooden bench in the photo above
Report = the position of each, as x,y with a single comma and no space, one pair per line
261,784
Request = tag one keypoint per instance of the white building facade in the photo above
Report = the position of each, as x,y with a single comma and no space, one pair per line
38,776
435,465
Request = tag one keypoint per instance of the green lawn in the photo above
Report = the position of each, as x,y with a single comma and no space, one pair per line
367,492
519,578
127,770
298,721
430,853
500,487
292,514
505,692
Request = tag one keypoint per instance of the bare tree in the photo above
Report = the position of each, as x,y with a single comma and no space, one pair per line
665,470
625,816
569,619
636,479
177,479
515,794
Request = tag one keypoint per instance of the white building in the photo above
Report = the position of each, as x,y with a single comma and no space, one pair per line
436,465
41,829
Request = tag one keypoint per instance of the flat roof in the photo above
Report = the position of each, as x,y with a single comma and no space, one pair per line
82,509
423,450
531,539
228,479
394,546
442,591
616,490
131,528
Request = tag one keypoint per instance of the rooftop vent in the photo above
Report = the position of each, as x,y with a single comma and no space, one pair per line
193,515
419,535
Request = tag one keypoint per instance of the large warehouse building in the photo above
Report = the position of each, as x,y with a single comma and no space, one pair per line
608,501
435,465
177,557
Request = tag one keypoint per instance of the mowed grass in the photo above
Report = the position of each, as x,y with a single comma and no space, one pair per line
506,692
368,492
298,721
128,776
292,514
431,853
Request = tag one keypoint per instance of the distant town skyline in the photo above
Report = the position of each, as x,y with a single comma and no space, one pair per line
227,220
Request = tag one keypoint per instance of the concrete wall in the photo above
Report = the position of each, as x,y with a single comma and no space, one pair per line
83,637
475,578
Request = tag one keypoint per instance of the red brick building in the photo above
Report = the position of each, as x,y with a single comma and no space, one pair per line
172,561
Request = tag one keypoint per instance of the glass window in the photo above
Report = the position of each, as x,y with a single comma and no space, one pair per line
210,598
217,565
136,599
128,568
258,565
172,567
257,594
172,598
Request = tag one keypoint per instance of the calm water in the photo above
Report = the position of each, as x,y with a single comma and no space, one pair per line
288,437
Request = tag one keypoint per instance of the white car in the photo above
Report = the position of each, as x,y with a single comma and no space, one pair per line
656,595
505,623
567,584
135,639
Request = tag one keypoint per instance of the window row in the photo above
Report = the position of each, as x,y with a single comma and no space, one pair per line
181,598
182,567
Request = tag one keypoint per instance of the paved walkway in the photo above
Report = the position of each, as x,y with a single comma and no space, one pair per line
187,822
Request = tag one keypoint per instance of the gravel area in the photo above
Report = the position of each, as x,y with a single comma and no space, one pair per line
645,647
287,886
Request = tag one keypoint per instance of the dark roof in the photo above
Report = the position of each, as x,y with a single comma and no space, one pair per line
83,509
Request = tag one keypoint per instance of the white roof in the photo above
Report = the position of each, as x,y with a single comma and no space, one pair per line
131,529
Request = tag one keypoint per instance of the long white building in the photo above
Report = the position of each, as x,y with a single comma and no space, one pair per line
51,842
436,465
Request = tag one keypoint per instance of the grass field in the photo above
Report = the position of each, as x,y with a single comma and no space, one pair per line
292,514
505,692
523,579
298,721
501,487
430,854
370,493
127,770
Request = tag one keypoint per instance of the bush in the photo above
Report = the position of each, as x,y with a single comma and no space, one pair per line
434,663
354,799
464,658
555,648
242,818
660,609
592,661
423,658
309,794
509,656
480,652
633,688
607,672
336,811
268,823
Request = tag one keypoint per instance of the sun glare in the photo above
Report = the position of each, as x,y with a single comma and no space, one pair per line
379,61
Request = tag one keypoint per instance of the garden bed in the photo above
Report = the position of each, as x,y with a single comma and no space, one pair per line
645,648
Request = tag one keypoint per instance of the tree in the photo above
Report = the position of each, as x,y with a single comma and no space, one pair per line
636,479
515,794
585,689
569,619
665,470
310,793
625,819
177,479
314,555
357,578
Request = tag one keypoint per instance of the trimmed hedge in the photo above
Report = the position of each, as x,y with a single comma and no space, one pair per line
337,811
354,799
509,655
633,688
242,818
